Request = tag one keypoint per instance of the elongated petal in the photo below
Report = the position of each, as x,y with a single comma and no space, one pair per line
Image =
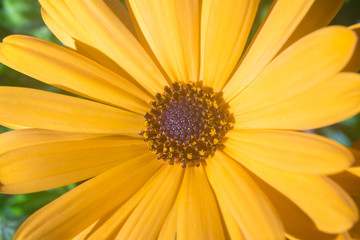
319,15
118,42
58,30
233,228
50,165
310,61
327,103
66,69
88,47
251,210
147,218
168,230
41,109
198,215
61,14
350,181
282,21
291,151
354,63
225,25
13,126
74,212
85,233
16,139
329,206
171,28
110,225
296,223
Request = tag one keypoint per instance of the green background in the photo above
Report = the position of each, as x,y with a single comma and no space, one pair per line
23,17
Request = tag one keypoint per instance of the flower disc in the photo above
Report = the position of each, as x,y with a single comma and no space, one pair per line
186,124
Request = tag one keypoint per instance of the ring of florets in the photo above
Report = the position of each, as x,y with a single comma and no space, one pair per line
186,124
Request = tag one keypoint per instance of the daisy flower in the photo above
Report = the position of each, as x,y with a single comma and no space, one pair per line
182,132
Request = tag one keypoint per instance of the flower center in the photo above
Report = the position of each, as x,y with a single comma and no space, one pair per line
186,124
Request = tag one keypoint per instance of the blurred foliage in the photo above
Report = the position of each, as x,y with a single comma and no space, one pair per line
23,17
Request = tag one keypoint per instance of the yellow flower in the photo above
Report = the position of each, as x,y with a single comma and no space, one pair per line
257,177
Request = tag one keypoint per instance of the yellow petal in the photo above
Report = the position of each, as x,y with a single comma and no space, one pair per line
232,227
282,21
84,234
168,230
146,220
319,15
41,109
250,209
88,47
80,207
66,69
13,126
344,236
327,103
61,14
354,63
118,42
328,205
198,214
110,225
58,30
225,25
291,151
310,61
32,136
350,181
296,223
44,166
171,29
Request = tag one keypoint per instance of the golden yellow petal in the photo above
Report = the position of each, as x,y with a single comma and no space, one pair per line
171,29
110,225
291,151
61,14
296,223
249,207
198,214
329,206
350,181
74,212
146,220
327,103
225,25
88,47
58,30
84,234
232,227
13,126
49,165
66,69
344,236
168,230
354,63
319,15
310,61
32,136
281,22
118,42
41,109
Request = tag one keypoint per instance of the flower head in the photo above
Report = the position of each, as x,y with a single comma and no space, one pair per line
224,153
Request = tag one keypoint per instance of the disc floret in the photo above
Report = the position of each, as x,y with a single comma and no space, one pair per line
186,124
